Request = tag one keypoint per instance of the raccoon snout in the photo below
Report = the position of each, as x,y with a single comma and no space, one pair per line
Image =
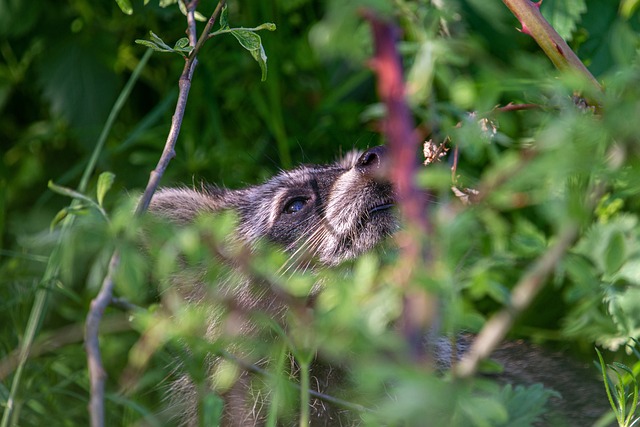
371,160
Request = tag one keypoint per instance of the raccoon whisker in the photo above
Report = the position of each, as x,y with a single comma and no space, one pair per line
300,244
308,246
305,242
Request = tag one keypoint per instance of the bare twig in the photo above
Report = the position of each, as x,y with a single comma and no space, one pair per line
98,305
185,85
92,345
517,107
192,34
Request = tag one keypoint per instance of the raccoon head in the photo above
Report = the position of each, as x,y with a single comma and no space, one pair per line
330,212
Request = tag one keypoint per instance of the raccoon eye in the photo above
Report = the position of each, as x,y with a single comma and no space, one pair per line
294,205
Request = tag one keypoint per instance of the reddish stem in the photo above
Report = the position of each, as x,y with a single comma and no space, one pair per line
402,140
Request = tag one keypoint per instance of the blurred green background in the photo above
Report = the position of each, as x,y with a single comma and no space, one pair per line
63,64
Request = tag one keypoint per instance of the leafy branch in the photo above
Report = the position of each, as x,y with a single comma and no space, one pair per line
97,374
105,181
181,47
247,38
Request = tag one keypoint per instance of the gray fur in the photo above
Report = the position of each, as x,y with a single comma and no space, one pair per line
335,224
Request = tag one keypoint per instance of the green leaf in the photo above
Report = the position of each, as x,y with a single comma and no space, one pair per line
158,41
65,191
78,196
212,406
247,38
628,7
253,43
615,253
607,244
105,181
605,378
125,6
224,18
182,47
623,367
148,44
564,15
64,212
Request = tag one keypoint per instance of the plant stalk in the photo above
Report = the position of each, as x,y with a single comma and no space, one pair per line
554,46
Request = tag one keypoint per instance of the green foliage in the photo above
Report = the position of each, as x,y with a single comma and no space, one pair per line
61,68
181,47
248,39
564,16
619,397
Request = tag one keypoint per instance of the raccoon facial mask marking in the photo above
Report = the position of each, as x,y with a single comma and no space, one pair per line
332,212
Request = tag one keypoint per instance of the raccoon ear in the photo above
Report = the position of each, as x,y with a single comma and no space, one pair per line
349,159
182,205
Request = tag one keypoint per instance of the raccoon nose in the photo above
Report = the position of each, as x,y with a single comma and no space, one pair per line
371,159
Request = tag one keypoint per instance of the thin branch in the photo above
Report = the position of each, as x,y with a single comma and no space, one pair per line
191,22
185,85
97,375
98,305
517,107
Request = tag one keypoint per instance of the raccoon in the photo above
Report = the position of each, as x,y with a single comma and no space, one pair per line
323,214
334,212
329,214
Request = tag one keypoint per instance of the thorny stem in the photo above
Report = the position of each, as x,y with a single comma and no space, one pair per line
418,310
103,299
558,51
